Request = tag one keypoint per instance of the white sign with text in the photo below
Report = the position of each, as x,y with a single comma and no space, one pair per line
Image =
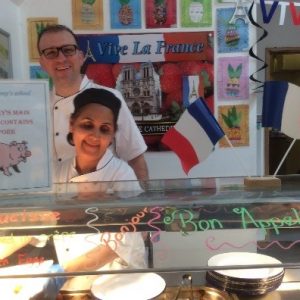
25,131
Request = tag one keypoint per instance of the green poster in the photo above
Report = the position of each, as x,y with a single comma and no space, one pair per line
196,13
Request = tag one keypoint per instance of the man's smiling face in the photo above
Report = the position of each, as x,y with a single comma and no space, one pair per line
61,68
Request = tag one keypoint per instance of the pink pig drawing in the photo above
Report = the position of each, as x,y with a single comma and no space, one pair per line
11,155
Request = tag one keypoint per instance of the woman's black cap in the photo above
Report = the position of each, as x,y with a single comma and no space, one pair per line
100,96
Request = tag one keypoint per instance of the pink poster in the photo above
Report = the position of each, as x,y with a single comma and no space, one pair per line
233,78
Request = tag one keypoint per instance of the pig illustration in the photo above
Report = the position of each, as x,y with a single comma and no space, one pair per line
11,155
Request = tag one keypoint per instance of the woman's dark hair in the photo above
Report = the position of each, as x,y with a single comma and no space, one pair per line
70,139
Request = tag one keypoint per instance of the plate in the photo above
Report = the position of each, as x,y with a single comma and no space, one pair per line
23,288
246,258
135,286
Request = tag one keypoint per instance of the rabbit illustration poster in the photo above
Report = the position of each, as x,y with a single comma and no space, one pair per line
234,120
233,78
25,148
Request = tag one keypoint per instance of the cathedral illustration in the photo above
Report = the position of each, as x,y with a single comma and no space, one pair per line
141,91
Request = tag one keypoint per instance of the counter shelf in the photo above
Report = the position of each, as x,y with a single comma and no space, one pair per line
184,221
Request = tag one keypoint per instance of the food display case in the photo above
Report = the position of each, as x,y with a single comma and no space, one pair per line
207,238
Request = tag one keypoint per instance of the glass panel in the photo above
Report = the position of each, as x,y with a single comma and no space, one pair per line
171,226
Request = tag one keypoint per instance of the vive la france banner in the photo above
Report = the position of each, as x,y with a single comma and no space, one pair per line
269,8
283,10
150,71
127,48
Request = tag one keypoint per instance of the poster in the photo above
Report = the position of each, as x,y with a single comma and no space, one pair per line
5,55
161,14
150,70
233,78
196,13
125,14
234,120
25,148
231,36
87,14
36,72
34,28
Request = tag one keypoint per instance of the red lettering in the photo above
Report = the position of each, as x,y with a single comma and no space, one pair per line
24,259
4,262
13,218
33,217
56,215
21,259
3,219
52,216
295,16
24,216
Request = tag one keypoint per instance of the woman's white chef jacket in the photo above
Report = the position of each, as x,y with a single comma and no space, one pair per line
131,249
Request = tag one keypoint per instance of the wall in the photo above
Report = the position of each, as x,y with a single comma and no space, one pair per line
241,161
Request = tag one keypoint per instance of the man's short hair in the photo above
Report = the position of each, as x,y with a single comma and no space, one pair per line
55,28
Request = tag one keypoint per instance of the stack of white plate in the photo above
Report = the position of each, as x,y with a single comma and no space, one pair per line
257,281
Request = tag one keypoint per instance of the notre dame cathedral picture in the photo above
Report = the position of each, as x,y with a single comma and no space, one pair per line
140,87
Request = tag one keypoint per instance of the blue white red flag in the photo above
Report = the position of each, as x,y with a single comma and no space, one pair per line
281,107
194,135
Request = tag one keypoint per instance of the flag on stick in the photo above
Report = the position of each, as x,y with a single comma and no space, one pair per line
194,135
281,107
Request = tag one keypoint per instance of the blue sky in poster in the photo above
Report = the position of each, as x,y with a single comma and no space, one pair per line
131,14
238,32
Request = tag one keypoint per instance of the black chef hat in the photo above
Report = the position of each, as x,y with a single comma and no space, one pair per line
100,96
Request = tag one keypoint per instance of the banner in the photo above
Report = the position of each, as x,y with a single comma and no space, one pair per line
150,71
129,48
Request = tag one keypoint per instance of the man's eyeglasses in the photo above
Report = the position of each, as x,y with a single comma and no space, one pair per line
53,52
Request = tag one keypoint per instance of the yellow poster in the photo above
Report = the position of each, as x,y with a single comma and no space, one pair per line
234,120
87,14
35,26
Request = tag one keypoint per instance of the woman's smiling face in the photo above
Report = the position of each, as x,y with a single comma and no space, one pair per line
93,130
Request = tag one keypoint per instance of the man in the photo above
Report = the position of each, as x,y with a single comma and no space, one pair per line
62,60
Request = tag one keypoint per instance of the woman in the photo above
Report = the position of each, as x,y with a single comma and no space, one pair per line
92,128
93,125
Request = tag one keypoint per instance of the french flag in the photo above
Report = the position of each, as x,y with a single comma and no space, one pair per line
192,89
194,135
281,107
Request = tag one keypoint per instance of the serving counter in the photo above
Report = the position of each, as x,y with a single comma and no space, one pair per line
184,224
